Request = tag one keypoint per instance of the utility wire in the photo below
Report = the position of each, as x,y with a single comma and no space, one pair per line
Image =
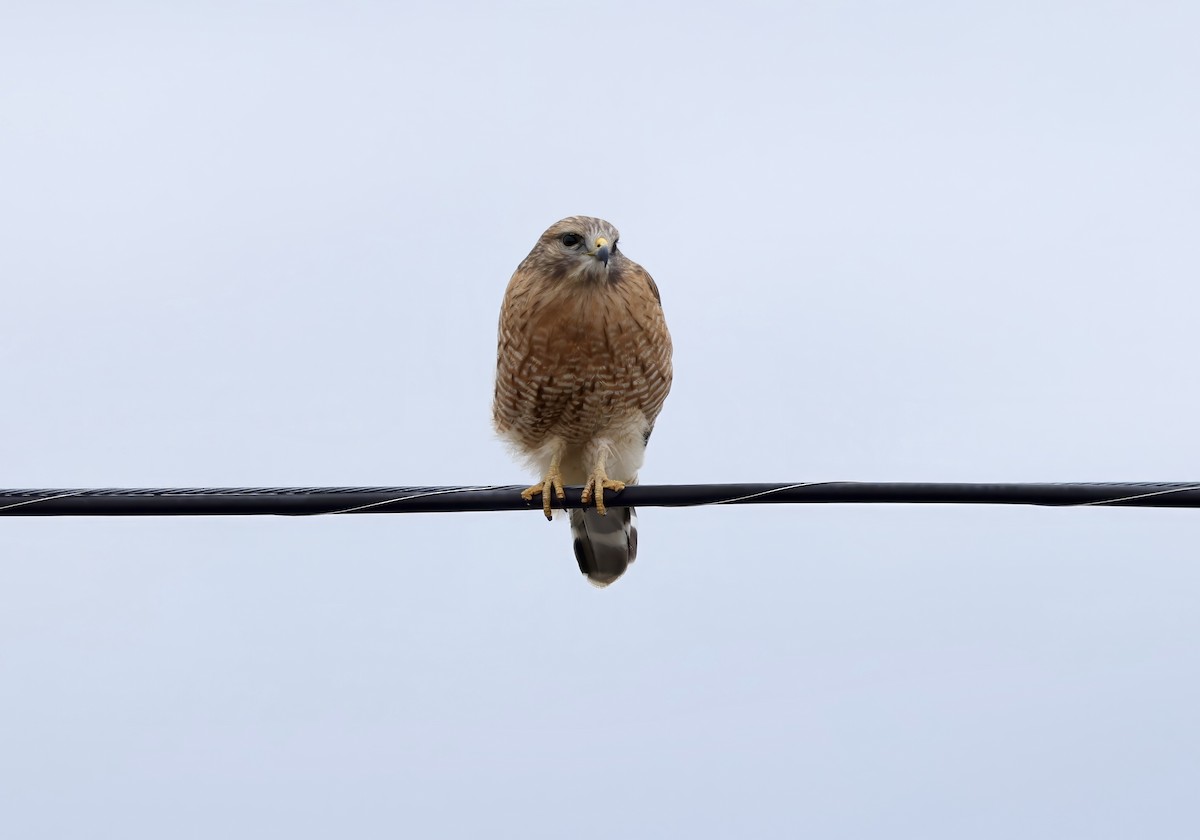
313,501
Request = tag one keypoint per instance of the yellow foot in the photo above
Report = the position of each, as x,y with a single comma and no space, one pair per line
598,483
552,482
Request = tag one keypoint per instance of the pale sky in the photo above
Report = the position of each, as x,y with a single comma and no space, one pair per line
264,244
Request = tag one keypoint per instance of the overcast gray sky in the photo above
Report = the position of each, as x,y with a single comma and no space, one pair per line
266,243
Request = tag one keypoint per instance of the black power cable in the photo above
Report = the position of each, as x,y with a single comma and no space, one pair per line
311,501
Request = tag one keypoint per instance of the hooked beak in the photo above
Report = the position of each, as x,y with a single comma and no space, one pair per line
602,251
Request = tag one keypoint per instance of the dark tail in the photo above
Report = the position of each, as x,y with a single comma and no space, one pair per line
604,545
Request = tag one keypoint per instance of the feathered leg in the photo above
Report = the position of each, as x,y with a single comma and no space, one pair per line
599,481
553,482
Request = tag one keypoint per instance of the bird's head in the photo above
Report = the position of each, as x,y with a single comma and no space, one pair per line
579,246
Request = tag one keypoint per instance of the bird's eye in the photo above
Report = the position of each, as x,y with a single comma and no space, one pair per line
571,239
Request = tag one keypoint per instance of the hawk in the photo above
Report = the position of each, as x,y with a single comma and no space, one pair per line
583,366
